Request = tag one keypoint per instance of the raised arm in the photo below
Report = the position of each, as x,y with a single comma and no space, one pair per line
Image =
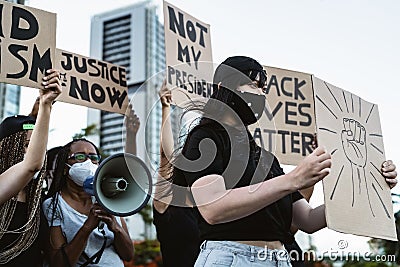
166,138
161,202
132,124
218,205
18,176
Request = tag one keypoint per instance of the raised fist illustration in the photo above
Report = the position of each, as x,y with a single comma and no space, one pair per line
353,142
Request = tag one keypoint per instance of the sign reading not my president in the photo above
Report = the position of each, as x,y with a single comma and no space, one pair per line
188,55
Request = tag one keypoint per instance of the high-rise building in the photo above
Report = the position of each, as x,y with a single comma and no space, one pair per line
10,93
132,37
9,99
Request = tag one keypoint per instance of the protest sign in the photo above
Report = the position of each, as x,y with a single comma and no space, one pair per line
357,197
92,83
188,55
27,44
287,127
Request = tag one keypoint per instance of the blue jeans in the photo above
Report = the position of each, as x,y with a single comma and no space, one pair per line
229,253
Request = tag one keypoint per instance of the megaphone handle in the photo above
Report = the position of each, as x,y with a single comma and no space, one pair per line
100,227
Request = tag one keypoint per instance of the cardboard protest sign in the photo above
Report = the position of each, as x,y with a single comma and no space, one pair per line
27,44
92,83
287,127
188,55
357,197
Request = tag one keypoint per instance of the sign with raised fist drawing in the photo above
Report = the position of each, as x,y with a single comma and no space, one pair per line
357,197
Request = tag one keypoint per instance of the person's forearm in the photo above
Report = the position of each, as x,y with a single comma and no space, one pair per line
166,147
218,205
73,249
166,137
162,194
317,219
308,219
130,143
123,244
36,151
18,176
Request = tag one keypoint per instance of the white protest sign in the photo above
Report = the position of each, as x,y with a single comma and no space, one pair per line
188,55
357,197
287,127
92,83
27,44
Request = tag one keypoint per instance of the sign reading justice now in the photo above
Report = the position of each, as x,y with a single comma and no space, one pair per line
92,83
27,44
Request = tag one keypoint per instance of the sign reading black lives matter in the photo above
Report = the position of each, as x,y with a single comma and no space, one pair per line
287,127
27,44
188,55
92,83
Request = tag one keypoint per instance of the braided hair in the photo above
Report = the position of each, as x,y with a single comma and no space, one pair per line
12,149
61,176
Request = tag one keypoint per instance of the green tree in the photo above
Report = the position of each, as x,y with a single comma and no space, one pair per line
385,246
145,213
91,129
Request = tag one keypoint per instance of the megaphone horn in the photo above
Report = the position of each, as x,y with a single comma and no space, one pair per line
122,184
113,186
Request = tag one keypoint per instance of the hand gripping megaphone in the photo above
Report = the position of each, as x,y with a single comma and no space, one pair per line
122,184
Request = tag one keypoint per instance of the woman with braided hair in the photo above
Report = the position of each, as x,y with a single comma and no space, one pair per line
76,239
22,154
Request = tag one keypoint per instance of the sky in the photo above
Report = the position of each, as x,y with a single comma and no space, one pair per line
351,44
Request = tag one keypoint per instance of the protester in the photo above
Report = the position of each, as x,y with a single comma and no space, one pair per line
75,235
23,142
176,226
245,201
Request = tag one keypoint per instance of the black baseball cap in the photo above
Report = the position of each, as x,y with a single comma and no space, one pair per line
230,72
15,124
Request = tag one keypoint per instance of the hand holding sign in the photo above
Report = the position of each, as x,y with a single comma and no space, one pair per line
389,172
132,125
353,141
312,169
165,95
52,87
132,121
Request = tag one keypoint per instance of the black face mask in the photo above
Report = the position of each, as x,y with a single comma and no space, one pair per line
248,106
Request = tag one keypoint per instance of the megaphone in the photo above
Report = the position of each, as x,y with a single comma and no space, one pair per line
122,184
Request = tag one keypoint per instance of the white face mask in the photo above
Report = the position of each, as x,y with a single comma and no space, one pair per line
81,170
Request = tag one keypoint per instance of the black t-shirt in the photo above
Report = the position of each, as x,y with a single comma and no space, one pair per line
33,255
178,234
240,168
